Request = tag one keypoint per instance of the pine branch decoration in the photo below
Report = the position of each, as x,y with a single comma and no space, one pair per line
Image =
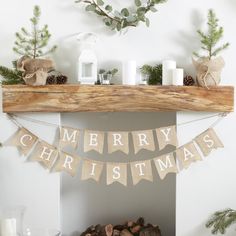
154,73
221,220
210,40
11,76
33,43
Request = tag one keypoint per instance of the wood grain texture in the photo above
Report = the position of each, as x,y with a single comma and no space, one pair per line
116,98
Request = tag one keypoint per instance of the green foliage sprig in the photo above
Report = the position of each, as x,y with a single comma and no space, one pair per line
109,72
32,43
221,220
118,20
154,73
11,76
212,37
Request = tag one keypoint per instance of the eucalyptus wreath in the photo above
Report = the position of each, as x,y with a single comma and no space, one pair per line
118,20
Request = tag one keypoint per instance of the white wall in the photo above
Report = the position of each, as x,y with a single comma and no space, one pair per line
206,186
24,183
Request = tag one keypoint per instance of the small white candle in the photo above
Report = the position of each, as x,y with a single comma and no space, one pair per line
167,67
178,76
8,227
129,73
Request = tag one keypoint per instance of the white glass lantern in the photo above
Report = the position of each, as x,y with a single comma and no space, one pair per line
87,62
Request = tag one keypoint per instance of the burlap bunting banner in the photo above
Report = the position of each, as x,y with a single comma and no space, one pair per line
45,154
91,170
23,139
68,163
68,137
188,154
53,158
165,164
93,140
207,141
141,170
118,141
117,172
167,136
143,140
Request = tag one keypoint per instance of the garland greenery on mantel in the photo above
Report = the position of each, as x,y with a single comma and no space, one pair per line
118,20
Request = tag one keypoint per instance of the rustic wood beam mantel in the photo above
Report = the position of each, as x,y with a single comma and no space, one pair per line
116,98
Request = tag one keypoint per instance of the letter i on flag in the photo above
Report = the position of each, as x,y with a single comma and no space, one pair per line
91,170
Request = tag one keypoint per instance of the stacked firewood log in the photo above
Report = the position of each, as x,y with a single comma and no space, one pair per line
130,228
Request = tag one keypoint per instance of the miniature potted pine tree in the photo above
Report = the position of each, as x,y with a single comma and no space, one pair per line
31,45
210,65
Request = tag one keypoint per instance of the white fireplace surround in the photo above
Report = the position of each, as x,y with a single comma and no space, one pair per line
205,187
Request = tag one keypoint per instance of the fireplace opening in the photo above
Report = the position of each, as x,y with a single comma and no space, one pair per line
87,203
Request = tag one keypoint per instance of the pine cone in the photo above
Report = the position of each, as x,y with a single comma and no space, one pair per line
51,79
61,79
189,81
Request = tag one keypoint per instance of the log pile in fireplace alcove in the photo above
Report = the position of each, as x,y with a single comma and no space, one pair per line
129,228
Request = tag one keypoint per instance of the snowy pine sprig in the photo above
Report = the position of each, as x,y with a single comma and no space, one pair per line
33,42
212,37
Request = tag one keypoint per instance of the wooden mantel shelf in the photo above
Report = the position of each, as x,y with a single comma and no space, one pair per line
116,98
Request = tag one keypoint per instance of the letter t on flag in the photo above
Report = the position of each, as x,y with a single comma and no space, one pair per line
141,170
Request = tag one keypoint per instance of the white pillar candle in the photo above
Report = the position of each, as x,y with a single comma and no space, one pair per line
8,227
129,73
178,76
167,67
